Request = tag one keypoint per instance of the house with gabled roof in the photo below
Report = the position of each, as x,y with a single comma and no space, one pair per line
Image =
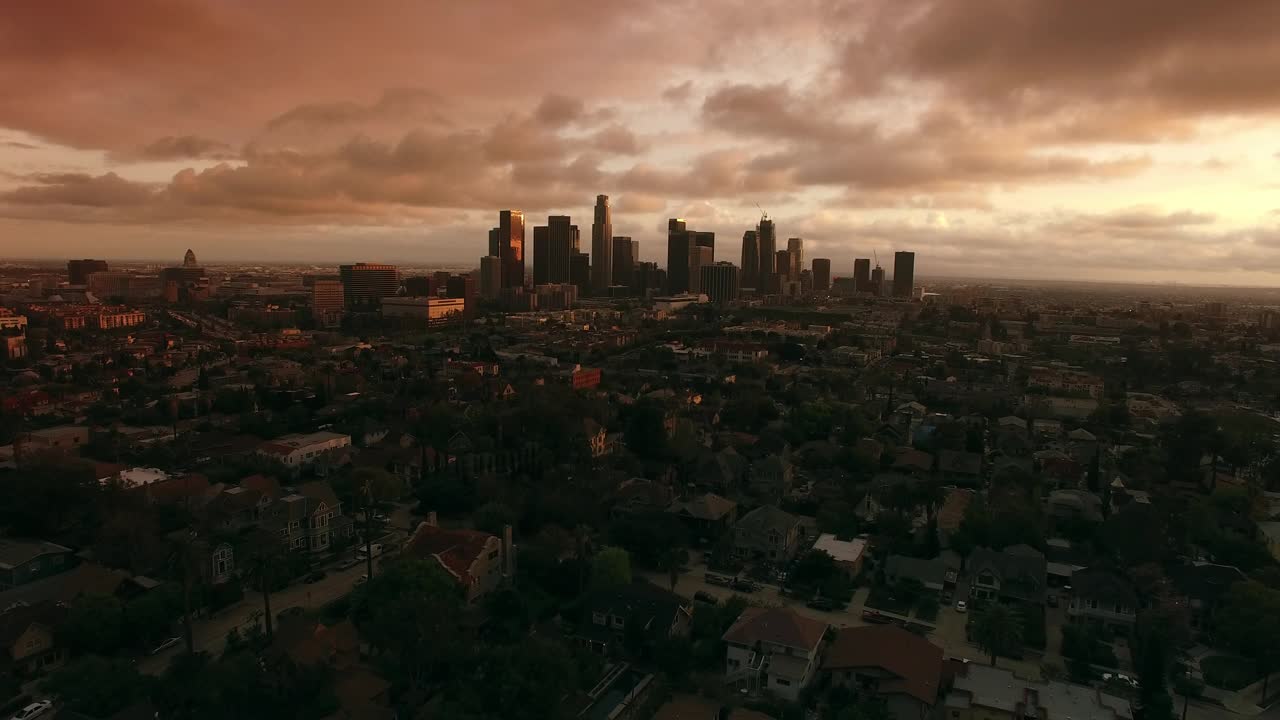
884,661
767,532
773,649
309,519
477,561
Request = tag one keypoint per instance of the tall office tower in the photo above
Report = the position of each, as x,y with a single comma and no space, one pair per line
904,274
542,254
463,286
580,271
327,302
495,248
602,246
624,260
719,281
365,284
677,256
706,240
700,256
781,266
821,274
649,278
78,271
767,240
189,260
490,277
562,239
876,286
862,275
749,275
439,280
511,247
795,246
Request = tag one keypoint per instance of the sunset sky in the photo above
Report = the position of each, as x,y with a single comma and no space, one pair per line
1001,138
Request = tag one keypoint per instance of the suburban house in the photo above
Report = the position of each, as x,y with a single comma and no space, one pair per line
887,662
935,574
960,468
638,610
1074,505
979,692
707,515
361,692
27,639
773,649
309,519
767,532
24,561
295,452
772,476
477,560
1018,573
848,554
1104,598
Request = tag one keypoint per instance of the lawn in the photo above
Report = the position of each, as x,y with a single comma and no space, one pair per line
882,598
1227,672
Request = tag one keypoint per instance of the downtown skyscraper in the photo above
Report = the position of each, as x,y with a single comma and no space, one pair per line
510,247
749,275
553,245
602,246
767,241
904,274
795,246
626,253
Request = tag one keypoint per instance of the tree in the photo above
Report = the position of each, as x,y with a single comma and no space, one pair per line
998,630
97,686
373,485
1249,622
410,615
643,430
610,567
493,517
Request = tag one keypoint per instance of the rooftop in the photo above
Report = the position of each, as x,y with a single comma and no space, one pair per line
14,552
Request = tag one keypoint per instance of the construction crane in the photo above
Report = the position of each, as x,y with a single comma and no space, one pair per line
763,215
877,257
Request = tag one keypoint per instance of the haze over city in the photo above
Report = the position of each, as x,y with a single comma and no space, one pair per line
1130,141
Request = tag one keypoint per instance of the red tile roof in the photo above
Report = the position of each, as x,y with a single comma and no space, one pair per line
455,550
779,626
916,662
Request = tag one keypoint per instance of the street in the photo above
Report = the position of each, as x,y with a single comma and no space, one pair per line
210,634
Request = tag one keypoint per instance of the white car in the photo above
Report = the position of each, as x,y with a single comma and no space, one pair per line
34,710
962,606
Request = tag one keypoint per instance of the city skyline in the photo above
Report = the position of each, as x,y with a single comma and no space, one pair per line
1145,156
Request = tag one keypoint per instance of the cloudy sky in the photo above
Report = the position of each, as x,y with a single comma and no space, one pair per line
1002,138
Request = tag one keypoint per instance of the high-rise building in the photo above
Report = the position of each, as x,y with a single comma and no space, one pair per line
189,260
624,260
602,246
781,268
649,278
463,287
767,240
700,256
706,240
795,246
78,271
419,285
541,254
876,286
904,274
821,274
511,247
365,284
490,277
562,243
327,302
750,273
719,281
580,272
495,247
677,256
862,275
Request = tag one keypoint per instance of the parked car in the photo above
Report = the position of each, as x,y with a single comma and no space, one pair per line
874,616
745,585
171,642
706,597
721,580
34,710
290,612
946,597
962,606
823,604
314,577
365,550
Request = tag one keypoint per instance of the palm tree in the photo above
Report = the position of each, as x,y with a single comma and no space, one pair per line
370,485
998,631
